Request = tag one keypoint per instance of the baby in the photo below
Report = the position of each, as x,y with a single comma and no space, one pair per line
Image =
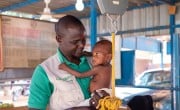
101,70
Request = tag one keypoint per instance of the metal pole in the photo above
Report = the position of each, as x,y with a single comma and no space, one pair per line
172,32
93,23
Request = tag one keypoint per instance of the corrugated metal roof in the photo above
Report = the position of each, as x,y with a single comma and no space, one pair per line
34,7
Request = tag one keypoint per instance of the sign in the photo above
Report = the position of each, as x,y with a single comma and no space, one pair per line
26,42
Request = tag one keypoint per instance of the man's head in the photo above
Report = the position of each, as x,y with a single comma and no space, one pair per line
102,53
70,35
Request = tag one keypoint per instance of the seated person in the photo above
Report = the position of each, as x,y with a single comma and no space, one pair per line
101,71
141,103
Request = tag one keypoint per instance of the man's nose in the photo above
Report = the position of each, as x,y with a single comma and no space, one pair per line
81,44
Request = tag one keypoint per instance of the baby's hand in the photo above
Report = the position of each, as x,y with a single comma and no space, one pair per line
88,54
62,66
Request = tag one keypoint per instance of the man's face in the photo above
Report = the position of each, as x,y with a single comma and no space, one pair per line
73,42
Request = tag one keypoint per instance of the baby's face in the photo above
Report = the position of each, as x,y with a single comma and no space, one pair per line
99,56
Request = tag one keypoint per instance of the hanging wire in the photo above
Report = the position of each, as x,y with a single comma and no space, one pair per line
114,27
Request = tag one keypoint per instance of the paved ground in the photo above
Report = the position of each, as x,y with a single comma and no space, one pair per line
21,100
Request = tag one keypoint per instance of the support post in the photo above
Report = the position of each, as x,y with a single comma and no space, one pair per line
93,23
173,56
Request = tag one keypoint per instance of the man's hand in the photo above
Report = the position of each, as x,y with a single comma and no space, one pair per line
96,97
62,66
81,108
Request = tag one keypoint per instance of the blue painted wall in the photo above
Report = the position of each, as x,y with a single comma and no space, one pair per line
168,48
127,68
142,43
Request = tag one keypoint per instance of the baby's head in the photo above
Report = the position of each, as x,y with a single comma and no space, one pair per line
102,53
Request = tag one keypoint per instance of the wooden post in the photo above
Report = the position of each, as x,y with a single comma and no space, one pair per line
1,46
172,9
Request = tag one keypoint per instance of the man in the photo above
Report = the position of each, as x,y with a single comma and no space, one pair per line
53,87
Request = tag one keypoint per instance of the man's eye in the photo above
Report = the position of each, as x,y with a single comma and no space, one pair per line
74,42
78,42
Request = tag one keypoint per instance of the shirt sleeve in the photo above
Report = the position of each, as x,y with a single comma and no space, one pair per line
40,89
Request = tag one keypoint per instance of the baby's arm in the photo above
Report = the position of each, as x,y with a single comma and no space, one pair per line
63,66
75,73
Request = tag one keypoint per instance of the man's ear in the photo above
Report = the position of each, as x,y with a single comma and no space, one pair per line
58,38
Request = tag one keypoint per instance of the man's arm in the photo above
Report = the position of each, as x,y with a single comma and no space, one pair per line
41,87
81,108
78,74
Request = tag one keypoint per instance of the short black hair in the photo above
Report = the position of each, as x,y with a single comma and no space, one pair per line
106,44
68,21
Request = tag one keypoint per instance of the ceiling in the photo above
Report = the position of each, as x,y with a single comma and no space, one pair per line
34,7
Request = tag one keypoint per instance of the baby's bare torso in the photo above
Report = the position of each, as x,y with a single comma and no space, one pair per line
102,79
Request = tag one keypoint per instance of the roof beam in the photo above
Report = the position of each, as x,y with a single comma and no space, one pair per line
69,8
164,1
144,6
18,5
